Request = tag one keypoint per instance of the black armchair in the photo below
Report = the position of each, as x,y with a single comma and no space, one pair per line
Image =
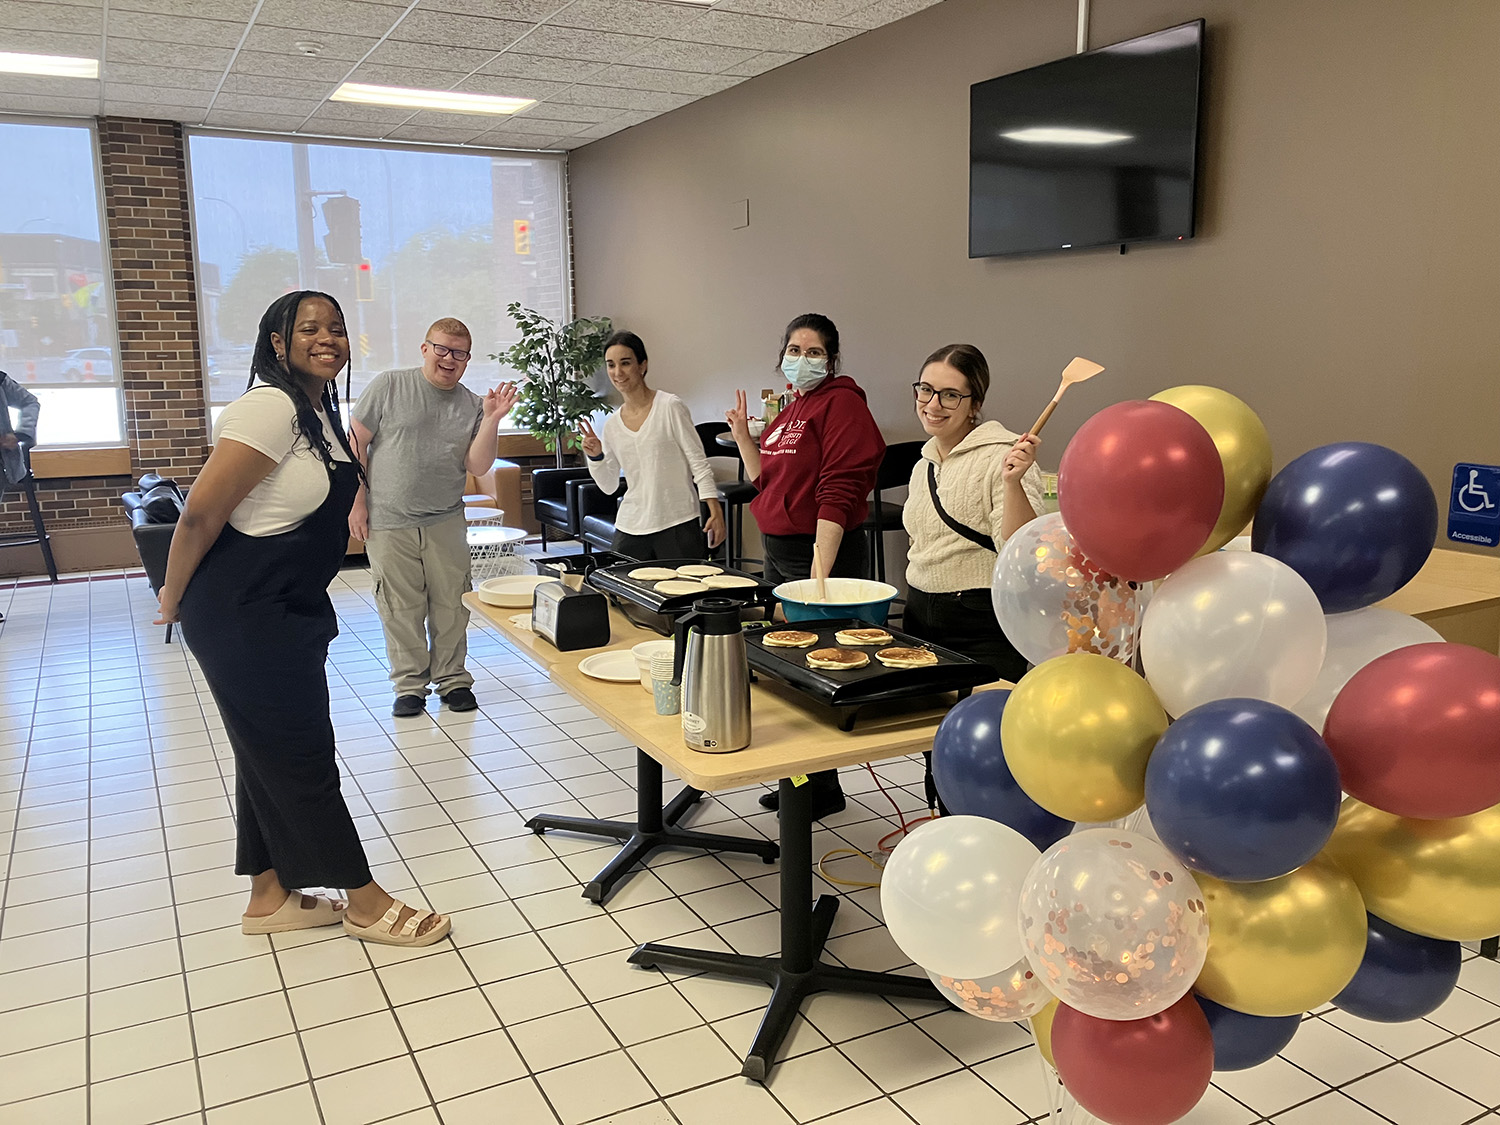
549,498
153,510
594,511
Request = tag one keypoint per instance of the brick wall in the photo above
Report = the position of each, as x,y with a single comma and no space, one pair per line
144,180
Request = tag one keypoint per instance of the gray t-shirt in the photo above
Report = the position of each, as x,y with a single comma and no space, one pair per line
416,458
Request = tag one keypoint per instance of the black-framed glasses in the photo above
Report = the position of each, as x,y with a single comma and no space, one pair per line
950,399
444,352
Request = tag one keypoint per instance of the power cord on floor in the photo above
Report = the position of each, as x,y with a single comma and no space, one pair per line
884,847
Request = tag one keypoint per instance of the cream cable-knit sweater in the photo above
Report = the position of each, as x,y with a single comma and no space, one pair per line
939,560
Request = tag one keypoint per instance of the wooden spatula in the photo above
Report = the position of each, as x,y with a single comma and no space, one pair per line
1077,371
818,572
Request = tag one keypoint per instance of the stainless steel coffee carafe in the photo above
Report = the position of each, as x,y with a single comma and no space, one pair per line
711,666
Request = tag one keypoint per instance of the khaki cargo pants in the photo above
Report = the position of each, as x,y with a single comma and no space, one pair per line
421,575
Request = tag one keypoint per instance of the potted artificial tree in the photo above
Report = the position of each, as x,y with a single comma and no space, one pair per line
556,362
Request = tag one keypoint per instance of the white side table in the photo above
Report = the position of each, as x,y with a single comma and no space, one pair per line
492,551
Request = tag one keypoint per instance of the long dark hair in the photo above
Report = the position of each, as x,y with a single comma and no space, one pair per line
281,319
824,328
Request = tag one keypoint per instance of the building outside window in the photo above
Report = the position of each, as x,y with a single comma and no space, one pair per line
57,323
399,236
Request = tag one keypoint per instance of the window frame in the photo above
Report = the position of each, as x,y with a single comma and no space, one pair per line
565,210
106,255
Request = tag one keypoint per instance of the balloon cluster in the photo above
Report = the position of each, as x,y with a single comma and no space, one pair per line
1151,855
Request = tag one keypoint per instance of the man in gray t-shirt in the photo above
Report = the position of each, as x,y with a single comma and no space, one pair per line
417,431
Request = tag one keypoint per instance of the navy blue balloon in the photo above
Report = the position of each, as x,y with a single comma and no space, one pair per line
1356,520
1403,975
973,779
1242,790
1242,1041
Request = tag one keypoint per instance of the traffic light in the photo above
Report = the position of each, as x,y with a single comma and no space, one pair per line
364,282
342,242
523,236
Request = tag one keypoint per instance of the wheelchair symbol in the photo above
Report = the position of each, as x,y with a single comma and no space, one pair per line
1472,498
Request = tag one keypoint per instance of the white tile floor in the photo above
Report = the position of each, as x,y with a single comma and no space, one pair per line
130,995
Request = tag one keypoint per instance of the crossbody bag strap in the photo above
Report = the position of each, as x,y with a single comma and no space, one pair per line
963,529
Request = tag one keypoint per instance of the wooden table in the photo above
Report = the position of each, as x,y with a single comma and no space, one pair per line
1458,594
792,736
656,824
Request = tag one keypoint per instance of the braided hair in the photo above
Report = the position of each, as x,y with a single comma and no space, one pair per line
281,319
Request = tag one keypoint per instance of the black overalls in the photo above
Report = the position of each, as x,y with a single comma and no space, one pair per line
257,617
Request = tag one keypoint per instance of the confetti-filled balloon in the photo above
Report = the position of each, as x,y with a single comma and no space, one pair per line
1113,924
1015,994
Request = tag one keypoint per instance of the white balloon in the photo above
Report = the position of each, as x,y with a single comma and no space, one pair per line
949,895
1232,625
1050,600
1354,640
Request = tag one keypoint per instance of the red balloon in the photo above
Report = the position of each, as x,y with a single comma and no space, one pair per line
1140,486
1417,732
1135,1072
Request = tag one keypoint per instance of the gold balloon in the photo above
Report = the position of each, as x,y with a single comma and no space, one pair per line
1284,945
1437,878
1077,732
1041,1028
1244,448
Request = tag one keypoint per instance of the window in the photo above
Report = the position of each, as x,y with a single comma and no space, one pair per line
399,236
57,324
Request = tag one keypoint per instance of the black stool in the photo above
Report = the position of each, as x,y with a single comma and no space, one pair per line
894,472
39,536
733,495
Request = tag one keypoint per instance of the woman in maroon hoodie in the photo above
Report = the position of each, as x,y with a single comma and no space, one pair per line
815,466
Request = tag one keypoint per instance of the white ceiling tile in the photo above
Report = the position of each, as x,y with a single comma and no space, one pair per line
386,115
516,63
49,87
152,112
183,34
766,60
551,113
810,11
329,18
261,122
444,29
290,66
728,29
475,123
262,103
535,88
52,43
421,78
574,43
574,142
432,134
670,81
614,97
526,11
338,127
48,103
236,83
240,10
883,12
426,55
284,40
164,96
31,16
178,77
638,17
151,53
703,58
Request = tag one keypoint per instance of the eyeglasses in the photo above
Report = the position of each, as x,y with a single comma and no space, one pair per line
444,352
812,353
948,398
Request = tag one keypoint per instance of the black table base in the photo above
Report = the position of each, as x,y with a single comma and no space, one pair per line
1490,947
799,970
655,827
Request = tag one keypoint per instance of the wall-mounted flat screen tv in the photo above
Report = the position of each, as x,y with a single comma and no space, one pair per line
1093,150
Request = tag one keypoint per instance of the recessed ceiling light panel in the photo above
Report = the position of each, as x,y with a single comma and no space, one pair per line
449,101
50,66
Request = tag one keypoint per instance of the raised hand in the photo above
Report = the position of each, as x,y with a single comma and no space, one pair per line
1020,458
498,402
739,418
588,440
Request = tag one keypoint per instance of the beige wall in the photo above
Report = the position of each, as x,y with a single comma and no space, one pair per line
1343,282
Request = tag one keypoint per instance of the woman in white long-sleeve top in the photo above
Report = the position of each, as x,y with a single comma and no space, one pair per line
652,442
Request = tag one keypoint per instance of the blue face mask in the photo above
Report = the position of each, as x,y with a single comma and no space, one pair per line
804,372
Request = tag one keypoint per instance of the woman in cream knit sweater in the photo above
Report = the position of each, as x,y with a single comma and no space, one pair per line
976,483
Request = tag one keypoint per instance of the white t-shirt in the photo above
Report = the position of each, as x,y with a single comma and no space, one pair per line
265,419
662,462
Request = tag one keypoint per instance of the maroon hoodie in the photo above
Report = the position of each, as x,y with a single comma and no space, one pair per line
818,461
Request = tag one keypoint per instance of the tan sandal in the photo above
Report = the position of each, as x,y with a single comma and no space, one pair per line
384,932
295,914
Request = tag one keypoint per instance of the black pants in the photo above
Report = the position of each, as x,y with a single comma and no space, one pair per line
965,622
789,559
680,541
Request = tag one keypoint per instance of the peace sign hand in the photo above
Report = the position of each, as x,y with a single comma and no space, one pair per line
739,418
588,440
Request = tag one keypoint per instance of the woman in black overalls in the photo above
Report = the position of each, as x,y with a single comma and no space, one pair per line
255,612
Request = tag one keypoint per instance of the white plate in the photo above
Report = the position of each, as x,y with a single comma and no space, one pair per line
513,591
617,666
